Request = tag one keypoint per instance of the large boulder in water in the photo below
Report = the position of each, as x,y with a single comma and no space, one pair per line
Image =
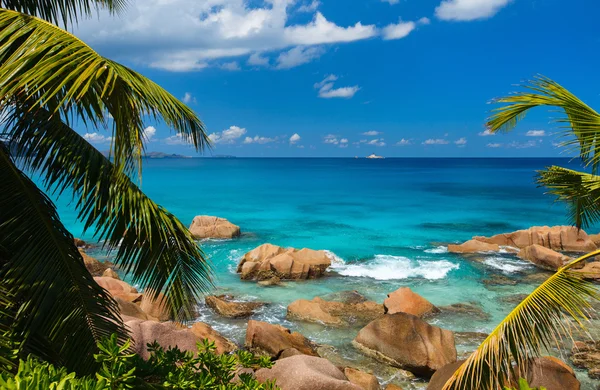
268,261
473,246
543,257
405,341
226,306
591,271
334,313
206,226
268,339
404,300
362,379
558,238
303,372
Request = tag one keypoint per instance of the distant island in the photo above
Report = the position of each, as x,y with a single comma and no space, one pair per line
164,155
223,156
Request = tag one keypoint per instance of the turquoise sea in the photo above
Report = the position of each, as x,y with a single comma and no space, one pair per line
385,221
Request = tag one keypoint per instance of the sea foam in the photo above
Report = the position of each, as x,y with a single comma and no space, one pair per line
439,249
386,267
507,266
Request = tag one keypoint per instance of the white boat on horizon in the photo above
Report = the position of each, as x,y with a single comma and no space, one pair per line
375,156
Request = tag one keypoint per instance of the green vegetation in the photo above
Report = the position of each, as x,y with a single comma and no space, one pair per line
166,369
49,80
523,385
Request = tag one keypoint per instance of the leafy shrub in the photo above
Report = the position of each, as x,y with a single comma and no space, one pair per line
165,369
523,385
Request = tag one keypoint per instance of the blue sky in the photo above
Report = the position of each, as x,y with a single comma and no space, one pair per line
399,78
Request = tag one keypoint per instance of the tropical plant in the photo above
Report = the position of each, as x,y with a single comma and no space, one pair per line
49,81
562,302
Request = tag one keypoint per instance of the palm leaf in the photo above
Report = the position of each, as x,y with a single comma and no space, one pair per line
581,123
61,11
150,243
56,298
537,323
42,63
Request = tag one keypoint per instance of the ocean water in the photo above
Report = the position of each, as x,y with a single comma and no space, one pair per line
385,222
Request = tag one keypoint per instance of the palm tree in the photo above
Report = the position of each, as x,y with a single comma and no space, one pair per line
563,301
49,80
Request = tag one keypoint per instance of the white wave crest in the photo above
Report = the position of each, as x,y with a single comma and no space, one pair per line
507,266
386,267
335,259
439,249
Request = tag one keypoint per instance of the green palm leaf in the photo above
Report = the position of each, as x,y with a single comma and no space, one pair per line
61,11
537,323
56,298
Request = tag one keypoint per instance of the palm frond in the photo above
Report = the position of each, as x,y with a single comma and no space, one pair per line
56,297
43,63
62,11
580,190
150,243
537,323
581,123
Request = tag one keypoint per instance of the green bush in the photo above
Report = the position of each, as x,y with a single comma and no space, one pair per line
523,385
165,369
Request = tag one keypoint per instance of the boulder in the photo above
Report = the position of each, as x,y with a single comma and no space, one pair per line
168,334
306,373
269,261
205,226
204,331
334,313
268,339
156,308
362,379
559,238
115,287
441,376
473,246
586,354
95,267
110,273
404,300
595,238
227,307
405,341
590,271
79,243
274,281
130,309
543,257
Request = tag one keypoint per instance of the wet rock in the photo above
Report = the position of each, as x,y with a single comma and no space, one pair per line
543,257
405,341
306,373
206,226
499,280
95,267
392,386
274,281
559,238
514,299
473,246
404,300
348,296
227,307
586,354
591,271
268,339
362,379
473,338
470,309
268,261
334,313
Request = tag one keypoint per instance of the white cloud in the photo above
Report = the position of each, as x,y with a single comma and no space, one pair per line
436,141
494,145
326,90
295,138
297,56
227,136
97,138
461,141
258,140
485,133
403,142
376,142
402,29
536,133
331,139
231,66
189,35
149,133
522,145
467,10
176,139
371,133
392,2
344,141
257,59
188,98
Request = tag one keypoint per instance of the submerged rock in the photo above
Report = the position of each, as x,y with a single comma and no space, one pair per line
590,271
206,226
227,307
268,261
559,238
543,257
473,246
405,341
470,309
586,354
274,281
334,313
268,339
499,280
404,300
306,373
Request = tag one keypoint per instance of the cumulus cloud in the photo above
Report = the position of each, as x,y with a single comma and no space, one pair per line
149,133
392,2
536,133
436,141
97,138
176,139
486,132
231,66
295,138
297,56
256,59
258,140
494,145
331,139
188,98
402,29
461,142
403,142
327,91
309,7
467,10
523,145
227,136
376,142
371,133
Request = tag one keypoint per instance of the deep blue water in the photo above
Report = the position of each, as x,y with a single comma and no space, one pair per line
386,221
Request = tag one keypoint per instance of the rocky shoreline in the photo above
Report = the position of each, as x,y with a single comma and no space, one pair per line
399,332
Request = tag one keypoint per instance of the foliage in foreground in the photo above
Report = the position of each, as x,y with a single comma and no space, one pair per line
523,385
165,369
